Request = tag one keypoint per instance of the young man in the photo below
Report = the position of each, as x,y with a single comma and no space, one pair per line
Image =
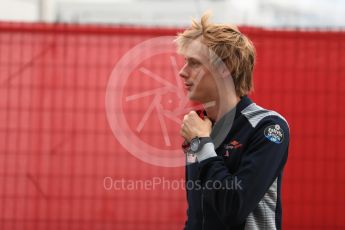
237,152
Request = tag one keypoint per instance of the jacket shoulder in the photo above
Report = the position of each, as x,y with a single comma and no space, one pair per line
258,115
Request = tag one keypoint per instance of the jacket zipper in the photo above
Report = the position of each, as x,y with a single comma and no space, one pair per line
202,210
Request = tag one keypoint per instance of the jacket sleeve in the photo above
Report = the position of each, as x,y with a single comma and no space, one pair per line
186,221
262,161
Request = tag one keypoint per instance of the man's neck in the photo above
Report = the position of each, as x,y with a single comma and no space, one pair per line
221,107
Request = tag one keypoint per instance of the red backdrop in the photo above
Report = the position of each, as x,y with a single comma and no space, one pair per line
56,145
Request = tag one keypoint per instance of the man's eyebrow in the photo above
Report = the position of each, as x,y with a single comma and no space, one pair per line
192,59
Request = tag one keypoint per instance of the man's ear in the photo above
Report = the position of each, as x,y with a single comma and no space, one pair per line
223,70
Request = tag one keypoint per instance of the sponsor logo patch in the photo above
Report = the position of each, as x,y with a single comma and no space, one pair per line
233,145
274,133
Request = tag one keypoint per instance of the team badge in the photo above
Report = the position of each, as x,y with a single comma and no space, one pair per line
274,133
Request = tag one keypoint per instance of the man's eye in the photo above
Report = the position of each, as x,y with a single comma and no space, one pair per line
193,63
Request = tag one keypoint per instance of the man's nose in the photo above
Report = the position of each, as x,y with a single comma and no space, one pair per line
183,73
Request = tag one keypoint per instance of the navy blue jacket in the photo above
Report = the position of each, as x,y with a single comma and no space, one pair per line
236,183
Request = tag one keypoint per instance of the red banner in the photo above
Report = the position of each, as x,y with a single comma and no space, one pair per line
89,127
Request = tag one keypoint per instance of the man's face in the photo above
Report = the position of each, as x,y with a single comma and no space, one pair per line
196,73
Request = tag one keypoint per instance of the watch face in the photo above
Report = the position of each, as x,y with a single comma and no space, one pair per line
194,144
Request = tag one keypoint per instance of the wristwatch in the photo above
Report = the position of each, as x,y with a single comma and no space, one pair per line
197,143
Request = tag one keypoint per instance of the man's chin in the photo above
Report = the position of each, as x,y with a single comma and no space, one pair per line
193,97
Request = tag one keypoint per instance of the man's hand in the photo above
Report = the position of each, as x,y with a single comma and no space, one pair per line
193,126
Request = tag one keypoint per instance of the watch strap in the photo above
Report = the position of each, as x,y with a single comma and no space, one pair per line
203,141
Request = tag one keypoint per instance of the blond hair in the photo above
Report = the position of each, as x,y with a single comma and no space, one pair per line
229,45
